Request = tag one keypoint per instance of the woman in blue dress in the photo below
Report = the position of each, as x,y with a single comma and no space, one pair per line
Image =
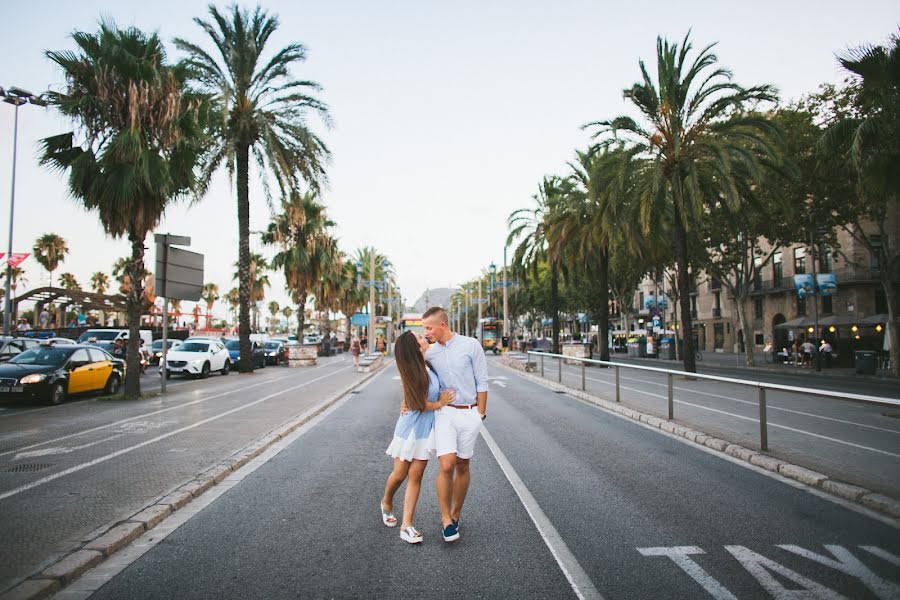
413,442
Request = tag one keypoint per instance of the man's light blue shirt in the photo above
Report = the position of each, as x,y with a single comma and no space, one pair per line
461,365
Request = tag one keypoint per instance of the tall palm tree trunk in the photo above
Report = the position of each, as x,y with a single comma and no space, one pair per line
135,270
245,364
301,313
684,282
603,325
554,306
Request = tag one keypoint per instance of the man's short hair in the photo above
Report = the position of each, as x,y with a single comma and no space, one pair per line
437,310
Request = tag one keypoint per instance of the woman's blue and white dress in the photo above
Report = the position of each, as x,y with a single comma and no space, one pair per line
414,432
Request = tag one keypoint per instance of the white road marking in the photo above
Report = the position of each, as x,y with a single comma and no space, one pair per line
680,556
771,423
141,416
882,554
581,584
759,566
850,565
53,450
500,383
112,455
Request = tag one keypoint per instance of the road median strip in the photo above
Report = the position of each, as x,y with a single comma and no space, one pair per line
845,491
90,554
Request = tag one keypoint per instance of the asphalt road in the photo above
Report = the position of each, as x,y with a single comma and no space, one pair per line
69,470
627,511
852,441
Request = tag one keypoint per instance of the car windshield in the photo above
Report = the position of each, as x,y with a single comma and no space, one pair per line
157,344
193,347
108,346
272,345
233,344
99,335
45,355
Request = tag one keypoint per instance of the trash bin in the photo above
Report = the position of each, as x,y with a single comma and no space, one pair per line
667,348
866,361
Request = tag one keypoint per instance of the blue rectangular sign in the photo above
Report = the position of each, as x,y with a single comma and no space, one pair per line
804,285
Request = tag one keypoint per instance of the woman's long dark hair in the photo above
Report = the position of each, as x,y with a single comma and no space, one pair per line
413,372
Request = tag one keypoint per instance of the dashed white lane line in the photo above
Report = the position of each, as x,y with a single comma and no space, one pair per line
581,584
112,455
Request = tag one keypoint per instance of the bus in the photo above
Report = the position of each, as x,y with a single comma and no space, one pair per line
490,333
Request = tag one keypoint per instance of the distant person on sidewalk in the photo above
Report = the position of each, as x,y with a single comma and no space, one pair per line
354,350
461,365
825,349
44,318
414,438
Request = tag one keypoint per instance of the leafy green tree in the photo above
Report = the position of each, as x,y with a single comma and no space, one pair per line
139,135
50,250
99,282
209,295
68,281
694,130
264,120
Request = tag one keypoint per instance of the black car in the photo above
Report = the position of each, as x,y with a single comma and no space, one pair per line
276,353
257,355
51,373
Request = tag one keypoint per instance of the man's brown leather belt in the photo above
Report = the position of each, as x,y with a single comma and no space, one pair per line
463,405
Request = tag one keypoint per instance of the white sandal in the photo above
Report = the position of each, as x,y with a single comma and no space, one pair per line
411,535
387,517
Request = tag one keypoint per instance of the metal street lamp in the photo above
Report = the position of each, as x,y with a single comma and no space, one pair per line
17,97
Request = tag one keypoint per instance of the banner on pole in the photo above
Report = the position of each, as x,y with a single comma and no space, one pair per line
827,283
17,258
804,285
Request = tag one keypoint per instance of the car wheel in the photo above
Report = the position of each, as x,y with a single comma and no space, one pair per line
262,364
112,385
226,368
57,394
204,372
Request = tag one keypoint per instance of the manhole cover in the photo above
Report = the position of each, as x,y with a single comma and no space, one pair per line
28,468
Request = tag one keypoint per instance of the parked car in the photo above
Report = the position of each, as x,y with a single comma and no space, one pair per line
258,353
276,352
156,349
197,358
13,346
56,340
111,335
52,373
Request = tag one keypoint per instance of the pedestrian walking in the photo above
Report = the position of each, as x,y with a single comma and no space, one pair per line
44,318
460,364
825,349
414,437
354,350
363,343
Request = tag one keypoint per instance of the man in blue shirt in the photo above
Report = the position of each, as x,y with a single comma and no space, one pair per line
460,364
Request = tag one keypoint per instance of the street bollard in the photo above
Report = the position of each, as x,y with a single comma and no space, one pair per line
763,427
559,363
582,376
671,397
618,397
542,365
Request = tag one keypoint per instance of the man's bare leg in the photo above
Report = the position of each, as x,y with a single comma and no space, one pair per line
460,487
445,484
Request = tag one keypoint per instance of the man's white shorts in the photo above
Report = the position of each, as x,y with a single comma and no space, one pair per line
456,431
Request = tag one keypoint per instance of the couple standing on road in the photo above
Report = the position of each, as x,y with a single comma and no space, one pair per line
444,403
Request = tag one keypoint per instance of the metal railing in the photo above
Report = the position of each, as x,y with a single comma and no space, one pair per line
761,386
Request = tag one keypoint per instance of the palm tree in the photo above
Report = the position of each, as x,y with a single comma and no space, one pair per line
99,282
264,115
352,296
273,310
209,295
119,269
139,134
259,279
287,311
529,226
868,138
50,250
300,231
68,281
17,276
233,298
695,131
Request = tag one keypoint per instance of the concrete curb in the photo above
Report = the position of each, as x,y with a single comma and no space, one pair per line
72,566
845,491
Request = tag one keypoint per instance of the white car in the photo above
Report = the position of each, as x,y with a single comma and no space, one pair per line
197,358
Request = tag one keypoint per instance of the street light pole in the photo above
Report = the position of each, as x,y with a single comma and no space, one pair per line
478,324
371,301
17,97
506,331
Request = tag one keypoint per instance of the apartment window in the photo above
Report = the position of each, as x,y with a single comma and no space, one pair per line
801,306
799,261
694,306
758,308
641,302
875,260
880,302
777,269
826,261
757,273
827,305
715,284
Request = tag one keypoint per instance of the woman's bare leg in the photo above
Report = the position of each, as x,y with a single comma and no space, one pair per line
416,471
394,480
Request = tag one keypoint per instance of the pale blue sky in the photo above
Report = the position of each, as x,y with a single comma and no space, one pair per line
446,115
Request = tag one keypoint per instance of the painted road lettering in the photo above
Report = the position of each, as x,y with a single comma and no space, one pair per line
762,569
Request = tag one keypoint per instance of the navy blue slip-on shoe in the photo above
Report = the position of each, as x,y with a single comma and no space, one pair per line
450,533
456,523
